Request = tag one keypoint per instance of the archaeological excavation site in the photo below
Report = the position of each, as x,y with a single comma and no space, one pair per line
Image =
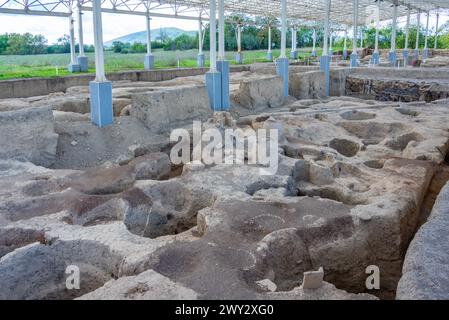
352,202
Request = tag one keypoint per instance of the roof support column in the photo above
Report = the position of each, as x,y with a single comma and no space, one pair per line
100,89
376,54
435,46
149,58
73,66
405,53
331,51
282,61
392,56
200,58
269,53
313,54
222,64
325,58
345,45
82,59
294,53
418,27
425,53
239,54
354,55
213,77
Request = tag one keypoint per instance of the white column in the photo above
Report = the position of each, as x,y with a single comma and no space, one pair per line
80,31
436,31
200,36
427,30
293,39
327,4
98,41
330,40
407,29
221,27
283,28
418,24
354,24
376,45
361,38
72,39
213,35
394,27
239,38
148,19
269,38
345,44
314,40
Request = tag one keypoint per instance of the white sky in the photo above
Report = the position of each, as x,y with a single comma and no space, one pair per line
114,25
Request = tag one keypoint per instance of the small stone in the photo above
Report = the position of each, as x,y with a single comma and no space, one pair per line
266,285
74,143
313,279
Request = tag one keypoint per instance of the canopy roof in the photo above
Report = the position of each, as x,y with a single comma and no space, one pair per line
298,11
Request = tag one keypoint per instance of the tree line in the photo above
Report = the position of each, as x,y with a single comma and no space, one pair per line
254,37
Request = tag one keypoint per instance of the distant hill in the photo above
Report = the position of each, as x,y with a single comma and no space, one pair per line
156,34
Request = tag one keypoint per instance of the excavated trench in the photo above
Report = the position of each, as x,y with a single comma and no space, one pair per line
311,225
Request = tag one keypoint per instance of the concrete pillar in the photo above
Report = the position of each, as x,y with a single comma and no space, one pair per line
405,53
100,89
213,77
81,59
149,58
418,26
354,55
331,51
269,53
376,54
73,66
282,61
325,58
345,46
425,53
313,54
294,52
200,58
436,31
392,56
239,54
222,64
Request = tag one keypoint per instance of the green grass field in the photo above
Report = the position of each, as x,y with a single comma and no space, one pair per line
52,65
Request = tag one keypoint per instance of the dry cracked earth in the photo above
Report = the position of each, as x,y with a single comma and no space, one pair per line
356,178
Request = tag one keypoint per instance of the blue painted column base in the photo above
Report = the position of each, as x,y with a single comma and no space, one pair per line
239,57
294,55
425,54
354,62
325,67
416,53
101,103
376,58
313,54
345,54
213,86
73,67
200,60
282,71
405,55
270,56
148,62
392,57
83,63
223,68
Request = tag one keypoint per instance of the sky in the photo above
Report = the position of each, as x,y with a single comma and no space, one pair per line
114,25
